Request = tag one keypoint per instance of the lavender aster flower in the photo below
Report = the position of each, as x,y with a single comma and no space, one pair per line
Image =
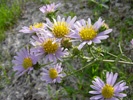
47,46
49,8
52,75
110,90
32,28
88,33
61,28
24,62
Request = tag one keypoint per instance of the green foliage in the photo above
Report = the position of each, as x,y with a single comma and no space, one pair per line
72,14
9,12
43,1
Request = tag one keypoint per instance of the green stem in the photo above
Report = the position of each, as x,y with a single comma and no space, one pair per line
124,62
120,49
91,62
92,53
109,53
45,64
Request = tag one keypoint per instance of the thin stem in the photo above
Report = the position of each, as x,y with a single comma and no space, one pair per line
109,54
120,49
92,53
124,62
91,62
45,64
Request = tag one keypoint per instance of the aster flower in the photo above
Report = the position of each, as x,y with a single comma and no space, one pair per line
60,28
24,62
88,33
132,41
32,28
53,75
48,46
49,8
108,90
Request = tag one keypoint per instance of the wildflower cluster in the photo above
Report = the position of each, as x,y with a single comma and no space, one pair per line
55,39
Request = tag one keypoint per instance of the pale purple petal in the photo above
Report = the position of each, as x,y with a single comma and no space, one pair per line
74,36
102,37
68,19
18,68
26,30
114,79
109,79
94,92
96,40
121,95
81,45
105,32
72,20
96,97
89,22
114,98
95,87
58,18
98,24
132,41
58,79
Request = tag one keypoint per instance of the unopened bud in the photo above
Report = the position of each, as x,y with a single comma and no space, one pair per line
104,27
75,51
66,43
36,66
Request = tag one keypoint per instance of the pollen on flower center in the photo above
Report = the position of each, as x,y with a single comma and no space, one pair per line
60,29
49,46
27,62
107,91
87,33
37,25
53,73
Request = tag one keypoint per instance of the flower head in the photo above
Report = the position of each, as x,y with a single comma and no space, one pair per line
108,90
88,33
24,61
53,75
61,28
32,28
49,8
47,46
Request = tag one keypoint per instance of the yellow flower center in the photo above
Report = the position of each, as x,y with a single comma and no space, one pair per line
60,29
53,73
49,46
87,33
107,91
27,62
37,25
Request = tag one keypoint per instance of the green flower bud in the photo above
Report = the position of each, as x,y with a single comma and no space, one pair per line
103,27
66,43
75,51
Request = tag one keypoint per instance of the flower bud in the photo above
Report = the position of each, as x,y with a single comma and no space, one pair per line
103,27
75,51
66,43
